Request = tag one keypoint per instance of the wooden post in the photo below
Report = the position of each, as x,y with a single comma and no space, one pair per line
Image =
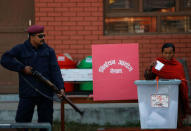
62,117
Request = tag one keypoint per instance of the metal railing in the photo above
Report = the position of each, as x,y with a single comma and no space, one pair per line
27,125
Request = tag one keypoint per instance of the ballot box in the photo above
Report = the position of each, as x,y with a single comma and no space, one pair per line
158,103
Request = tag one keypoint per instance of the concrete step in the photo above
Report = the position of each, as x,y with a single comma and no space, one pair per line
9,105
102,113
116,114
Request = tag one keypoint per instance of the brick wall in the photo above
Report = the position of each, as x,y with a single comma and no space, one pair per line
72,26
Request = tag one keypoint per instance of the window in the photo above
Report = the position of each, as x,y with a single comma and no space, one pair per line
175,24
159,5
124,25
146,16
121,4
187,4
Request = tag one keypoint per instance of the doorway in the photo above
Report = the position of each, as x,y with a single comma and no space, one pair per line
15,17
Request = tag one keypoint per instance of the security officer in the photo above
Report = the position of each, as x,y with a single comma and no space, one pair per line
35,54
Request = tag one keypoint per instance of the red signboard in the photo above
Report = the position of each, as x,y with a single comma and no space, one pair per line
115,68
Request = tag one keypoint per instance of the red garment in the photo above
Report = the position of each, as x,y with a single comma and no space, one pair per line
173,69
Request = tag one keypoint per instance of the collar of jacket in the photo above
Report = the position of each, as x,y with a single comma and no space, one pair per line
29,45
43,50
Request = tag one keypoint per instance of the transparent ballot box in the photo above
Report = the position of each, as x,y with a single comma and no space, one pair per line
158,105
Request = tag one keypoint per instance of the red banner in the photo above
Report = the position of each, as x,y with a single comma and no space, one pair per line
115,68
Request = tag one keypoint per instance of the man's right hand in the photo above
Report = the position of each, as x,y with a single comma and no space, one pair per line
28,70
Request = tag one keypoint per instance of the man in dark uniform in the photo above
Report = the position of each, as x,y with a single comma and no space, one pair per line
35,54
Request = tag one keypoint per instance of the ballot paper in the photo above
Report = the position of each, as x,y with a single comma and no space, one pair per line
156,120
159,65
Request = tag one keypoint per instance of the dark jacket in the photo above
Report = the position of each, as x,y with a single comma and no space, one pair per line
42,59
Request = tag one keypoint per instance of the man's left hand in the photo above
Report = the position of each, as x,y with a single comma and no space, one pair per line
62,93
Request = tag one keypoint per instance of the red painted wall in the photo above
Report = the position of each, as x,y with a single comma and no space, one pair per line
72,26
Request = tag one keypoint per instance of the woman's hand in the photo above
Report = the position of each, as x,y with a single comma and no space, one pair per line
148,72
152,64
